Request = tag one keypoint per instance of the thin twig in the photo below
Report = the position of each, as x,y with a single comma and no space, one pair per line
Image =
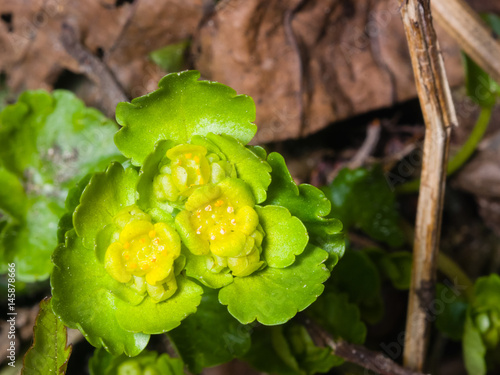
470,32
439,115
357,354
94,69
362,156
368,146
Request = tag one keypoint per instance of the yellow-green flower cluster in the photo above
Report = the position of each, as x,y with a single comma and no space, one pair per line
186,167
216,220
220,222
143,254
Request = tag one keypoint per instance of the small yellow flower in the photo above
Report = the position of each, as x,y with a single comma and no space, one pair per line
144,254
220,221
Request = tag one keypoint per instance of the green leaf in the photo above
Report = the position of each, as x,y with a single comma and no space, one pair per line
169,366
288,350
218,339
31,244
305,200
75,193
170,58
487,292
480,87
358,277
104,196
4,91
47,142
286,236
310,358
85,297
80,140
101,361
273,296
12,196
20,123
13,208
485,309
310,205
474,349
147,174
325,237
153,318
362,198
250,168
270,352
4,226
147,362
482,324
49,353
72,202
339,317
57,137
395,266
110,313
493,20
259,151
283,349
180,108
452,320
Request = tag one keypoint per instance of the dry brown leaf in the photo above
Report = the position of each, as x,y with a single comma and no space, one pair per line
305,63
310,63
122,33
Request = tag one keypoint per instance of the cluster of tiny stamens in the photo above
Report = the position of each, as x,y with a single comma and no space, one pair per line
142,256
216,218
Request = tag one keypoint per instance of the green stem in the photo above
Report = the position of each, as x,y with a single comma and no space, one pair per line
465,152
469,147
456,274
412,186
445,264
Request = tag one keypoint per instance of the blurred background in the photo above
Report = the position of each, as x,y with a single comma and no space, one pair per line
331,79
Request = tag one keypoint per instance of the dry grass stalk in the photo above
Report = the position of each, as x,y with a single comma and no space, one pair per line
439,115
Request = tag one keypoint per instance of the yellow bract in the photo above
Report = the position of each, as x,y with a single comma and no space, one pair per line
144,254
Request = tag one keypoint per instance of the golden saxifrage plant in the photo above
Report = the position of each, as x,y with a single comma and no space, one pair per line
195,212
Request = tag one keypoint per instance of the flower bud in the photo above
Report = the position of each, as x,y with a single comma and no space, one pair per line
186,167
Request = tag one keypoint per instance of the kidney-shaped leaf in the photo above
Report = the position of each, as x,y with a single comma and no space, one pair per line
82,297
274,295
180,108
